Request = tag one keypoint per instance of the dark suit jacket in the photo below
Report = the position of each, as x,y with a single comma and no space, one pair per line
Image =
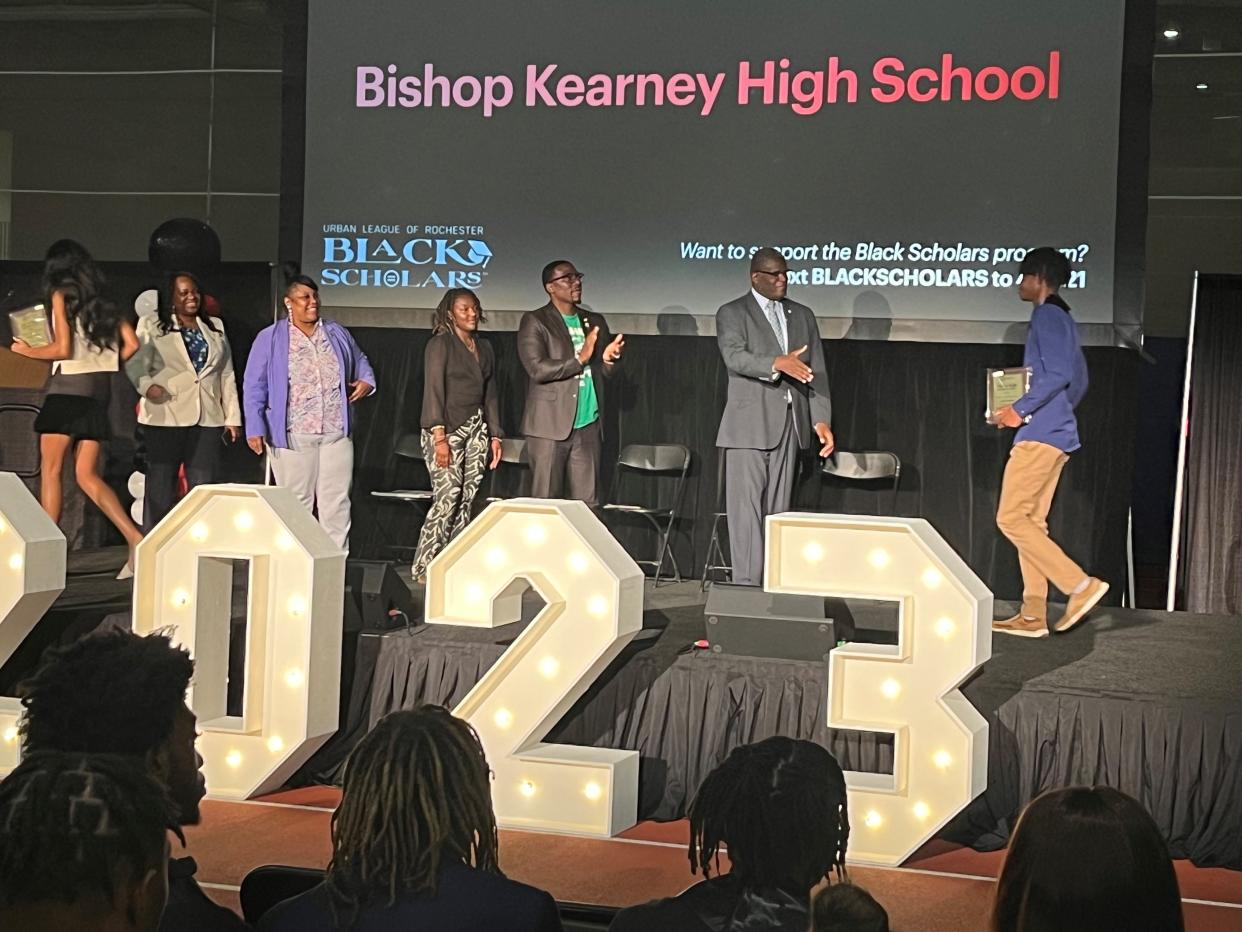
466,900
754,415
547,354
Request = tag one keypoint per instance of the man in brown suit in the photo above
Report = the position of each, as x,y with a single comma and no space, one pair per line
565,350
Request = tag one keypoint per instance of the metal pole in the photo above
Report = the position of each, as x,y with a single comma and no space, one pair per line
1179,487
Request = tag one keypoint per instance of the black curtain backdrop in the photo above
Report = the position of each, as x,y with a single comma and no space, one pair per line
923,401
1212,554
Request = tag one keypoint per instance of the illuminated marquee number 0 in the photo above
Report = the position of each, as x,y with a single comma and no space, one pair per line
184,582
909,689
593,595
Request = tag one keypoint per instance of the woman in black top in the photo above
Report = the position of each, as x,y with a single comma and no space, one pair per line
460,415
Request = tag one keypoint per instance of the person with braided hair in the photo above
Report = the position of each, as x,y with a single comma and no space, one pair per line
414,840
83,844
778,808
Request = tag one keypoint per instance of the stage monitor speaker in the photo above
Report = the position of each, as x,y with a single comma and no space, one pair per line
373,590
750,622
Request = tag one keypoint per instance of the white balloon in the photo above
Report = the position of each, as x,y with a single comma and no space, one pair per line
147,302
137,484
135,511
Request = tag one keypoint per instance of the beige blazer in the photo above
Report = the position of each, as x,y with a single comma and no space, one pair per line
202,399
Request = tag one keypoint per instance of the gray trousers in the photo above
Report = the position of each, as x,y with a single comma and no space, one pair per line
566,468
319,468
758,483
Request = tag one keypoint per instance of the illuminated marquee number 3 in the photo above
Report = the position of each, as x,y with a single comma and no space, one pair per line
593,595
910,689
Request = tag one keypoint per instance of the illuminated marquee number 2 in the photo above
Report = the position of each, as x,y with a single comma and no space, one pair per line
909,689
32,575
593,595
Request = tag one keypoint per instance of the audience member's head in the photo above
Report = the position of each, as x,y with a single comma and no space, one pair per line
779,807
416,795
1087,859
118,693
83,844
843,907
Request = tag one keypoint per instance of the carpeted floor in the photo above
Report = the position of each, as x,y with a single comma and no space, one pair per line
943,888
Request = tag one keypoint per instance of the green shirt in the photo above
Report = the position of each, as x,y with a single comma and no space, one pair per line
588,404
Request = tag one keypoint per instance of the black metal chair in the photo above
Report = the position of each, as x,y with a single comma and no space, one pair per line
865,466
513,458
409,447
264,887
653,459
29,472
715,561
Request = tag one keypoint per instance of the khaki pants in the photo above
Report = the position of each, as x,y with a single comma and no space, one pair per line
1031,477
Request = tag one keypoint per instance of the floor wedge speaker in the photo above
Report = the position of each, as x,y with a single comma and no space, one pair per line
747,621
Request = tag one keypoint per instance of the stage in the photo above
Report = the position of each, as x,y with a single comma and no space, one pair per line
1143,701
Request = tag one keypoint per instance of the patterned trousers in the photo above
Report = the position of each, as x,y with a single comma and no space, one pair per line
454,485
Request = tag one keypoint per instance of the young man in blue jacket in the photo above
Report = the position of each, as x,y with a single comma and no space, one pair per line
1047,435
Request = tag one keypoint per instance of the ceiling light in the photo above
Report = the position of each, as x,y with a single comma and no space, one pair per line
1171,33
1201,86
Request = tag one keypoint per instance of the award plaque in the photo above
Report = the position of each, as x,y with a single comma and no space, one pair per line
1005,386
31,325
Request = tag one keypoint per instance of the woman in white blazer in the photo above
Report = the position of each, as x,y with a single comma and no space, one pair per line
188,395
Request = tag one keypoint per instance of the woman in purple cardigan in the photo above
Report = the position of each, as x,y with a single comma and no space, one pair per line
302,375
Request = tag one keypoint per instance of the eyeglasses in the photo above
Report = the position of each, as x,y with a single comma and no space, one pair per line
568,276
784,274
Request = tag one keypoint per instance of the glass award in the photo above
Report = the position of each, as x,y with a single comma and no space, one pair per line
31,325
1005,386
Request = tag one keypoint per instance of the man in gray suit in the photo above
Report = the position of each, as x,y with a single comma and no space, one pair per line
566,351
777,403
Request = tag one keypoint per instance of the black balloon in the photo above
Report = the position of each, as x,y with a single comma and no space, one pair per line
184,245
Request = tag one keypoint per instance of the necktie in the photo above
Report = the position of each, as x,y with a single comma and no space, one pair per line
774,318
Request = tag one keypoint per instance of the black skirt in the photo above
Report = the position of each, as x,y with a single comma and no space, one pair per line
78,416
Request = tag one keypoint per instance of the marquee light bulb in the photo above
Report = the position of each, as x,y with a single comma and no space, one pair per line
198,531
474,593
592,791
180,598
10,734
535,534
526,788
812,552
879,558
16,562
3,526
233,759
297,606
873,819
243,521
945,628
891,689
284,541
578,562
294,678
548,667
597,605
275,744
921,811
495,558
503,718
932,577
942,759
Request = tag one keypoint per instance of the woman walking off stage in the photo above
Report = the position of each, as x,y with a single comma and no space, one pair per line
460,414
89,341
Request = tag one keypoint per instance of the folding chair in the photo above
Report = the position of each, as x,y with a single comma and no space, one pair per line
868,466
653,459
